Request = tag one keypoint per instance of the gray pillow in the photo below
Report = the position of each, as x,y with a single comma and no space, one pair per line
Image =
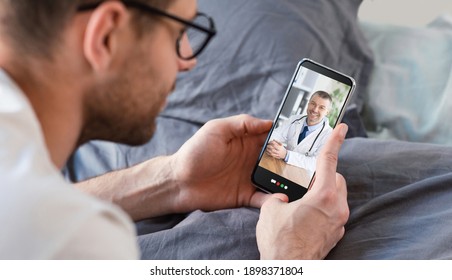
245,69
248,65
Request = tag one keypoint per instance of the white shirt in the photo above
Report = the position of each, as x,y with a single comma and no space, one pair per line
311,128
303,154
41,215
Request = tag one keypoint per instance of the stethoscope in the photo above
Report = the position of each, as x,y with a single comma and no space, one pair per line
317,136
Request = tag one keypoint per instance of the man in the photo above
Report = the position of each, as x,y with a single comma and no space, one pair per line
103,71
300,140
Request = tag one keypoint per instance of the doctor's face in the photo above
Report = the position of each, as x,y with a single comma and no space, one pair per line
318,108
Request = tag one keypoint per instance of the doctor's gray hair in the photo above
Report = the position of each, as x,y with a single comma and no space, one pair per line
324,95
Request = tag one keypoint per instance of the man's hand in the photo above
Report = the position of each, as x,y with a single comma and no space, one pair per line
311,226
276,150
213,169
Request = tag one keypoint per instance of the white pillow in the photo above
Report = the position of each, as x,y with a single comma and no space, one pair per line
410,92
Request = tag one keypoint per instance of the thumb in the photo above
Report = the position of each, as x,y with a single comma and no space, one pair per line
327,160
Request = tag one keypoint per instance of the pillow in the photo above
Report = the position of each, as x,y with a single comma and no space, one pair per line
249,63
245,69
408,97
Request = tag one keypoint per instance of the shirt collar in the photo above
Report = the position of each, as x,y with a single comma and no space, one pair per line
313,127
11,96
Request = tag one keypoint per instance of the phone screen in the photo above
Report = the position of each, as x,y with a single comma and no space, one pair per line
313,105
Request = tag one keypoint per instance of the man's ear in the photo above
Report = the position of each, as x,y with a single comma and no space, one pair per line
101,38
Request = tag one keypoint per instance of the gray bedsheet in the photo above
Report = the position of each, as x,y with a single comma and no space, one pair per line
399,195
398,192
246,69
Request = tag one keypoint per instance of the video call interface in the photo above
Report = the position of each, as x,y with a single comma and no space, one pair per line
313,100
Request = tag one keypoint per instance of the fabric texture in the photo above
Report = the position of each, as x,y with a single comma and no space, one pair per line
398,192
248,65
303,154
399,195
246,69
408,97
400,209
42,216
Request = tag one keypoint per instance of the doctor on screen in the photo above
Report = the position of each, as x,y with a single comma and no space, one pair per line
299,141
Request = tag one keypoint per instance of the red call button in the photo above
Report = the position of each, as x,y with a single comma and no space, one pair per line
273,181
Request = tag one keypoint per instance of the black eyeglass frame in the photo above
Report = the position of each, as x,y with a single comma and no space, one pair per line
211,31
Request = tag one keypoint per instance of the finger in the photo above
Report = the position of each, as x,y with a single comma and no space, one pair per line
259,198
271,149
277,142
273,154
258,139
327,160
245,124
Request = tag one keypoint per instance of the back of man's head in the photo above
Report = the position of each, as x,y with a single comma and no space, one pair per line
34,27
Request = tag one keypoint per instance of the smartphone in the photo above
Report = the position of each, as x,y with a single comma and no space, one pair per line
314,103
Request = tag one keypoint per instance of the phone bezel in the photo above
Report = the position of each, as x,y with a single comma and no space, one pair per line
260,174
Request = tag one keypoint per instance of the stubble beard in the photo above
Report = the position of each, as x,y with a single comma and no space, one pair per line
122,116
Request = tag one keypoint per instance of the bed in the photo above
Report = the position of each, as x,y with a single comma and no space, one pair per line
397,156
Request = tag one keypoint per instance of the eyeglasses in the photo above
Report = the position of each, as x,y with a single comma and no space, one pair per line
199,31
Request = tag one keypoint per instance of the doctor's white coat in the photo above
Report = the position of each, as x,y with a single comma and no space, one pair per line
305,154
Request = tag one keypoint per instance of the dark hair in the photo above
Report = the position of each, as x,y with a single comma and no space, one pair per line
143,22
35,26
